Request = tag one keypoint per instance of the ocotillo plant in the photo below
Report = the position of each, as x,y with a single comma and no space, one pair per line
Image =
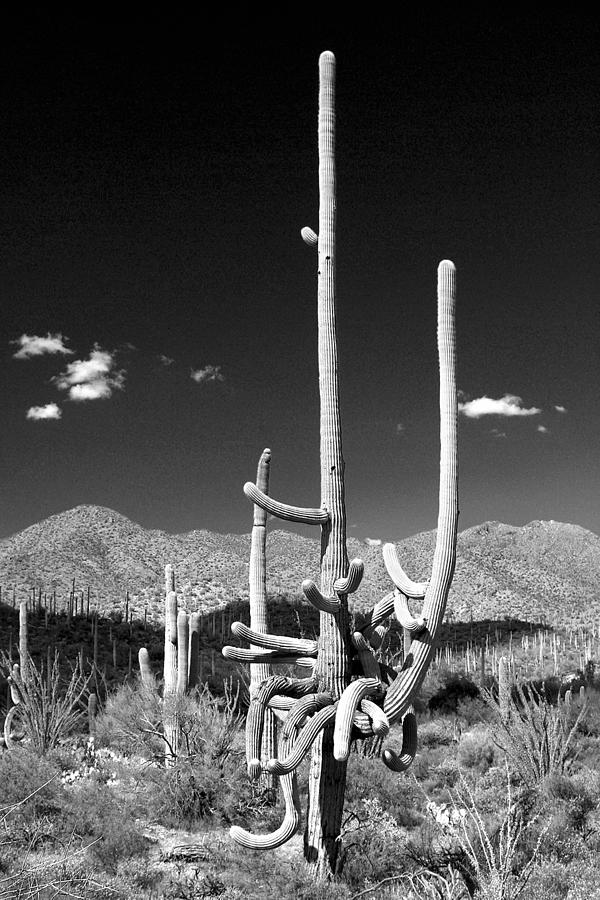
181,667
349,693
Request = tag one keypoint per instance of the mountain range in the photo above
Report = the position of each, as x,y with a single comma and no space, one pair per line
542,571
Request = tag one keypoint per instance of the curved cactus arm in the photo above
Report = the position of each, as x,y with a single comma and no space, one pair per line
291,819
273,641
241,654
400,763
351,583
277,684
399,696
16,685
414,589
146,673
407,620
346,709
379,722
302,708
281,703
10,738
302,745
284,511
314,596
309,237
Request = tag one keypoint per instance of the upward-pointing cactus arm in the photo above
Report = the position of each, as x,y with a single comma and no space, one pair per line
413,589
304,515
410,678
314,596
351,583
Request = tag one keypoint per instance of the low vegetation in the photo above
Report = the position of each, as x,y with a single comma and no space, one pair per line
104,817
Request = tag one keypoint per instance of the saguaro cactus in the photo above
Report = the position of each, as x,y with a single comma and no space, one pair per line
181,663
348,693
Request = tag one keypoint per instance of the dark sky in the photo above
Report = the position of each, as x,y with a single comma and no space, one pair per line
153,183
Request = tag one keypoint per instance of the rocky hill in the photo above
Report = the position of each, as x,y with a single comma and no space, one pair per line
540,571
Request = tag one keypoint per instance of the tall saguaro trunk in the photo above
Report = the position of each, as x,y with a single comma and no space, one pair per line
327,775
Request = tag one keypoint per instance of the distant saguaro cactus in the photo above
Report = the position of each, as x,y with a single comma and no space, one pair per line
348,693
181,667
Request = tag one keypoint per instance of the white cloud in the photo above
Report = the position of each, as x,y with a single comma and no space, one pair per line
49,411
33,345
560,409
399,428
542,429
497,433
373,542
509,405
208,373
91,379
165,360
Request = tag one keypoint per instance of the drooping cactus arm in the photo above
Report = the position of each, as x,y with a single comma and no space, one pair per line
303,743
413,589
306,516
399,763
314,596
354,693
409,680
291,819
405,617
277,684
351,583
273,641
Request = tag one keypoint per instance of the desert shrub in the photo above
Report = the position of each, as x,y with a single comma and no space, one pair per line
477,750
30,793
373,842
456,687
473,711
104,822
51,706
398,794
437,732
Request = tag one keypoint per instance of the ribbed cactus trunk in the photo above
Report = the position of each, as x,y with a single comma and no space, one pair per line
259,620
327,775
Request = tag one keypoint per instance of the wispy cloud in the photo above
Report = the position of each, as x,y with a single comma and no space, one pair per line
207,374
560,409
509,405
542,429
165,360
495,432
399,428
95,378
49,411
33,345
